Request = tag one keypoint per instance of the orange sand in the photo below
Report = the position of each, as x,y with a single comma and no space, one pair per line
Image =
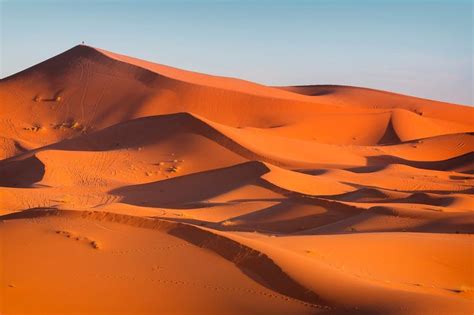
128,187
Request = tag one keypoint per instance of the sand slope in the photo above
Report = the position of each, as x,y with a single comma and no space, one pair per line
115,171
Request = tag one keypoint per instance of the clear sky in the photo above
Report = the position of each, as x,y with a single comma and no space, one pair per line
421,48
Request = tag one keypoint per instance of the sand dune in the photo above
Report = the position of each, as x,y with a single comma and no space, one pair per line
115,171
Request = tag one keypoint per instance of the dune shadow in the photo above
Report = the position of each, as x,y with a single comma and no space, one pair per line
390,136
372,188
314,172
429,222
281,218
463,162
21,173
310,90
361,194
368,168
365,195
457,177
181,191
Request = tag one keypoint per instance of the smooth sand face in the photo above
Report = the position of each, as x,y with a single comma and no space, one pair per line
128,187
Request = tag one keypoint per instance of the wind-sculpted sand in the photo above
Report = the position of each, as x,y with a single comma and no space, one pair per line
128,187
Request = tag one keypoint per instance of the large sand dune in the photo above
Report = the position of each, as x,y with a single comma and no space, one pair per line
128,187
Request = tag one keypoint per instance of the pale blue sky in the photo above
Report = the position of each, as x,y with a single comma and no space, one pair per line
421,48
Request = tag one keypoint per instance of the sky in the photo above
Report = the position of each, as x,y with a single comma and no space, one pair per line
414,47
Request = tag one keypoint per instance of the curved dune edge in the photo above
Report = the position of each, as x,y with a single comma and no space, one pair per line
243,257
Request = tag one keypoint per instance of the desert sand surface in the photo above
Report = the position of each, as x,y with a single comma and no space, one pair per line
129,187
